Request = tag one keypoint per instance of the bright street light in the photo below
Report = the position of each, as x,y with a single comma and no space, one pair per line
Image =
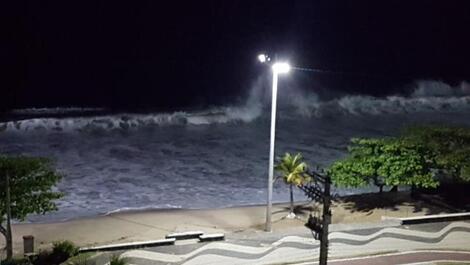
263,58
281,68
277,68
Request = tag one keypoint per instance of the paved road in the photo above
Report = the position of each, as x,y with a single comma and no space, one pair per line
301,247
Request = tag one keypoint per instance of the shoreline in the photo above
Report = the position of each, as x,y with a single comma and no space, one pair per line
150,210
156,209
154,224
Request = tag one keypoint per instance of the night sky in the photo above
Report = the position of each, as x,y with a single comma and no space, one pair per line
180,54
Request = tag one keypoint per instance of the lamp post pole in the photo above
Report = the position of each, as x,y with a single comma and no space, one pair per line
277,68
271,153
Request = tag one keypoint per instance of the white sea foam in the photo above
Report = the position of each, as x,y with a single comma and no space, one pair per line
427,96
52,111
131,121
432,88
144,208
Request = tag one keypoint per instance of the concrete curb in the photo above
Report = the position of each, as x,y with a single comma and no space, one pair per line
185,235
169,240
430,218
211,237
122,246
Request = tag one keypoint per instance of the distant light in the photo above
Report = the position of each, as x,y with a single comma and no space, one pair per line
281,68
263,58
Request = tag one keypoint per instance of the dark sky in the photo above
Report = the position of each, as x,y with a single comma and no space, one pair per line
174,54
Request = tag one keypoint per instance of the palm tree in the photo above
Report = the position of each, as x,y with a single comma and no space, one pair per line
294,172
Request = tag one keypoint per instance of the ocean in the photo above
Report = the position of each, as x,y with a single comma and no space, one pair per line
210,158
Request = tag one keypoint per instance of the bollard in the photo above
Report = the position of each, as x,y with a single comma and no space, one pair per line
28,244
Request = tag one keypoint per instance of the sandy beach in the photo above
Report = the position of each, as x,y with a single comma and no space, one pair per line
152,225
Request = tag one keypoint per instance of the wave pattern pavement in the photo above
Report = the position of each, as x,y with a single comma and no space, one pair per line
302,248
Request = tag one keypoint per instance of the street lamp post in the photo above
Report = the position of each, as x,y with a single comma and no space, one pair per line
277,68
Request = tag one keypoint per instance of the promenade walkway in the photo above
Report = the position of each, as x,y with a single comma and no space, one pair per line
374,245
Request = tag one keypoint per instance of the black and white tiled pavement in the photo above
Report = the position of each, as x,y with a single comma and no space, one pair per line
302,247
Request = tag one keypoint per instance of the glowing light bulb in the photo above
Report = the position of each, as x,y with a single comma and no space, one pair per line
263,58
281,68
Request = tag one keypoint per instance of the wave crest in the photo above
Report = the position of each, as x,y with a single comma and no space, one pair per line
133,121
432,88
427,96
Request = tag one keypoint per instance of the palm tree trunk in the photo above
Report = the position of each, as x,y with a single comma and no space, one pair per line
8,228
291,198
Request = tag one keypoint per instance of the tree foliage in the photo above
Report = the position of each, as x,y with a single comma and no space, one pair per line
411,159
31,187
390,161
31,183
449,148
293,169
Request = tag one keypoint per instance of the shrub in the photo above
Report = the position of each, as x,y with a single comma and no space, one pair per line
116,260
61,251
81,259
65,249
42,258
46,257
19,261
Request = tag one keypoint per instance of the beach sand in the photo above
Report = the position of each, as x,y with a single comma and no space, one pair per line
155,224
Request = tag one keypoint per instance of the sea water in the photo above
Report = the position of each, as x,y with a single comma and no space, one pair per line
205,159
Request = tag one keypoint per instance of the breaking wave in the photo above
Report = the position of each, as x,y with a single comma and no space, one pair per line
427,96
430,88
131,121
54,111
